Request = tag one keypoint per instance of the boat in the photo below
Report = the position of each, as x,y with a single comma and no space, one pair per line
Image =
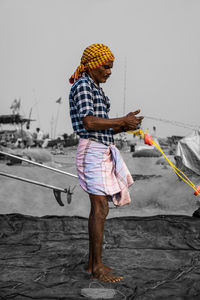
11,128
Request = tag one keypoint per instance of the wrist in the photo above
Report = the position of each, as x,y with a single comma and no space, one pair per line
123,125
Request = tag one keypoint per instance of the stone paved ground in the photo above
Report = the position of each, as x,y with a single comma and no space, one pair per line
44,258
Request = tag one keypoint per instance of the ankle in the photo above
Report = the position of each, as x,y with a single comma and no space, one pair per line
96,267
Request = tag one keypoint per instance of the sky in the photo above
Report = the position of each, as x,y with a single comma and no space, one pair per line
157,58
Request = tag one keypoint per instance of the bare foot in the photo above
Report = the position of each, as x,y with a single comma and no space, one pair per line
105,268
105,276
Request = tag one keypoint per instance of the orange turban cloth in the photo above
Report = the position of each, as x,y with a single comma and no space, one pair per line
93,56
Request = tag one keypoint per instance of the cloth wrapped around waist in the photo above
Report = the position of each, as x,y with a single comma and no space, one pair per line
102,171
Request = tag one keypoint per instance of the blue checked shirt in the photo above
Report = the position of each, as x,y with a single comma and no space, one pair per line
88,99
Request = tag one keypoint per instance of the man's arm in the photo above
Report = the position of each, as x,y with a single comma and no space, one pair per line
128,122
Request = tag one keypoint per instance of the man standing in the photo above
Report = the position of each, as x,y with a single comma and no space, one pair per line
39,137
101,170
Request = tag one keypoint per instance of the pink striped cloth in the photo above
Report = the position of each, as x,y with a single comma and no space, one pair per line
102,171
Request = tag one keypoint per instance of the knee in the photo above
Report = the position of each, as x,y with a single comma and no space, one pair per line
102,210
99,208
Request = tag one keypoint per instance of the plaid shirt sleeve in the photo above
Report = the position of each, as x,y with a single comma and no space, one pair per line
108,104
83,99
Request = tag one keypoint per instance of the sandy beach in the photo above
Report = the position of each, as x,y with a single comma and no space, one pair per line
156,190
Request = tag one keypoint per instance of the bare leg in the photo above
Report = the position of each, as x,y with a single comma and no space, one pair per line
98,213
90,226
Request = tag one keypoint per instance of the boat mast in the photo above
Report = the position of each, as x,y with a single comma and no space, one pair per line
124,103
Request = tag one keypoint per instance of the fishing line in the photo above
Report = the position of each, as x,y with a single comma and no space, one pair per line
149,141
176,123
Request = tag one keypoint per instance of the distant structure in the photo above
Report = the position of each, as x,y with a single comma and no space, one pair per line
15,106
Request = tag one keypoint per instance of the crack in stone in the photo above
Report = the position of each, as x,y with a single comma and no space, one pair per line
110,247
41,275
186,270
11,258
11,296
17,285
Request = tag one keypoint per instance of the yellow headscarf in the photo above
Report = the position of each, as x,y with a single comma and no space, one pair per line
93,56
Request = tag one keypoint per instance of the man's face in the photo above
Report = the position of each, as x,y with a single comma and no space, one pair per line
101,74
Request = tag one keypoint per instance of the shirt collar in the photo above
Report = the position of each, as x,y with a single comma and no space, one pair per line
85,74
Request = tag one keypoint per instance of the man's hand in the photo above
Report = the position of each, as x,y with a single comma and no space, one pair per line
131,121
127,123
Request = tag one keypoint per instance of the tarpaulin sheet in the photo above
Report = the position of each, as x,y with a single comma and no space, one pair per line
188,149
